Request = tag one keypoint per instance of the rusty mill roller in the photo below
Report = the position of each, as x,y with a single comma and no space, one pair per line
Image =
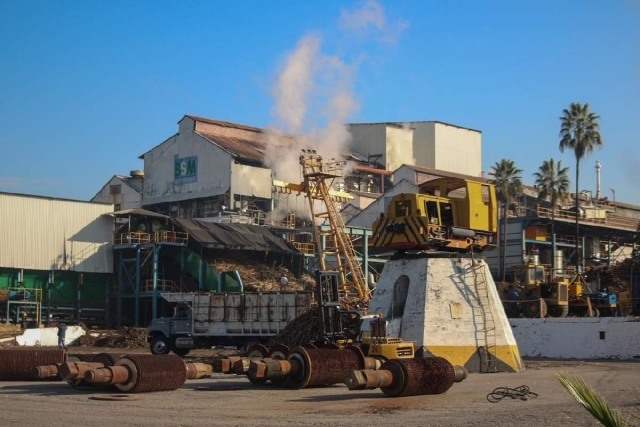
408,377
308,367
18,365
138,373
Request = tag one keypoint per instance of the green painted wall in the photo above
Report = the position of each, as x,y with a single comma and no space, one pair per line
210,276
64,289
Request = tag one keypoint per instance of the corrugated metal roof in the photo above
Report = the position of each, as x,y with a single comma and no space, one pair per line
223,123
244,149
44,233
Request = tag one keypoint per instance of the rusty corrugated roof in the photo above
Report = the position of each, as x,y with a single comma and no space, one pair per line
244,149
224,124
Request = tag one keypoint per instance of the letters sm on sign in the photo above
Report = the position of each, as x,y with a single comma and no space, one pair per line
185,170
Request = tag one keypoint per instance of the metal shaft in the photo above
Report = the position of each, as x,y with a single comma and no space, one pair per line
198,370
75,370
108,375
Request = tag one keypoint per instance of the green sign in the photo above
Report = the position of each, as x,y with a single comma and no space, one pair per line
185,170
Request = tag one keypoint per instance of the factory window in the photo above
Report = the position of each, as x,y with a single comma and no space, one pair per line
400,292
431,208
446,214
485,195
115,189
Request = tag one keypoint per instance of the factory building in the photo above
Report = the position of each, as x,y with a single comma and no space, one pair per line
123,192
429,144
55,258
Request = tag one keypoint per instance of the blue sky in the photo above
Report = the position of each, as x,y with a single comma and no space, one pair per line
88,86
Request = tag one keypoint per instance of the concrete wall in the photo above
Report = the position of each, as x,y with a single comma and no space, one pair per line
128,198
41,233
458,150
424,139
578,338
213,168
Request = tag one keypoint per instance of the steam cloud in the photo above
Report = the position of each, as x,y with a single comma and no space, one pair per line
314,95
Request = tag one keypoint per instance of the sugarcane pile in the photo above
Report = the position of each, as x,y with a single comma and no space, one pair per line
305,328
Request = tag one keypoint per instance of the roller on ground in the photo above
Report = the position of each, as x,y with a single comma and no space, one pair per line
146,373
408,377
308,367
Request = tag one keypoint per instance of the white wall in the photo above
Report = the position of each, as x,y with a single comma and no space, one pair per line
399,141
129,198
578,338
424,143
251,181
458,150
369,139
213,172
41,233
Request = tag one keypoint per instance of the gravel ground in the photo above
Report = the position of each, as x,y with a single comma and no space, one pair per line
203,403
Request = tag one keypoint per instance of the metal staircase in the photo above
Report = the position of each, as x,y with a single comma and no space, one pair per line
318,180
484,320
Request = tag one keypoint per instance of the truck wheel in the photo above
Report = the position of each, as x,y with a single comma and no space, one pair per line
160,345
559,311
533,309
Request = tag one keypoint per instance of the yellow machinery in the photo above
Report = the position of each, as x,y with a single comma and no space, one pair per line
447,214
541,292
319,176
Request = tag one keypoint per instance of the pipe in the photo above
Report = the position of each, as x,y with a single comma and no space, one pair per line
368,169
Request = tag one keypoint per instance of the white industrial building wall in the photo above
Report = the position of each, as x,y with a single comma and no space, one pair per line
369,139
514,255
399,142
213,170
424,138
128,198
251,181
458,150
51,234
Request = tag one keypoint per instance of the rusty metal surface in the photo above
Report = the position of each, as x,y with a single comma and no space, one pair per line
83,357
107,359
47,371
19,364
279,352
157,373
323,367
420,376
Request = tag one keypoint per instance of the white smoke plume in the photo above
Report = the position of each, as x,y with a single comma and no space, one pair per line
370,18
314,97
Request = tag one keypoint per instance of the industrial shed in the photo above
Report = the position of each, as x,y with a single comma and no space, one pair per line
55,257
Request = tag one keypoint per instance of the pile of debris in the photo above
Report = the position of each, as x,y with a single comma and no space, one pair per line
617,278
257,276
121,338
303,329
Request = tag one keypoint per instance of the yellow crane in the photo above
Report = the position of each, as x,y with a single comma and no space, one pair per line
319,176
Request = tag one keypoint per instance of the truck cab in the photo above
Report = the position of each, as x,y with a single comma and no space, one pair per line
172,333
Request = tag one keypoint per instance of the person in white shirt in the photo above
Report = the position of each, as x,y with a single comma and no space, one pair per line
284,282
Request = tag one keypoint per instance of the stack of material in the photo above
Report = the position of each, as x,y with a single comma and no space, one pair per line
617,277
305,328
8,333
121,338
257,276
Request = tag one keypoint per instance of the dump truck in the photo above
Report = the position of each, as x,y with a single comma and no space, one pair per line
242,319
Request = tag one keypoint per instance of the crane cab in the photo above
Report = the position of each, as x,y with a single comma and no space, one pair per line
447,214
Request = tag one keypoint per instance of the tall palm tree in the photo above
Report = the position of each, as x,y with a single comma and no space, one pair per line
580,132
552,182
508,181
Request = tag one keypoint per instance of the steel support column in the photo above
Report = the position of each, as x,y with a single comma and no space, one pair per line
49,285
609,252
154,303
200,273
120,290
582,253
79,285
107,303
554,262
136,318
365,259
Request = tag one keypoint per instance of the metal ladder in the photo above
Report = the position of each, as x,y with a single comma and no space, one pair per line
318,178
484,320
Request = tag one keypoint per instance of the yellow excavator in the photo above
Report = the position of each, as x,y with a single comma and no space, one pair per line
448,214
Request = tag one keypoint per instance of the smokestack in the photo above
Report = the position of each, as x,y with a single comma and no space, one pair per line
598,167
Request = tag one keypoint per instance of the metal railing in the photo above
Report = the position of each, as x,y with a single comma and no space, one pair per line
138,238
610,220
305,247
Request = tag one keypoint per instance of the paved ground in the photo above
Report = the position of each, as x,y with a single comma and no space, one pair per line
198,403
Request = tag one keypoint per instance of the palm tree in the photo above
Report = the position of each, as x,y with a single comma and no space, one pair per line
508,181
580,132
552,182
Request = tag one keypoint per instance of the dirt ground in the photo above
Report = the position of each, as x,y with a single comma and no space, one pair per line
206,402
